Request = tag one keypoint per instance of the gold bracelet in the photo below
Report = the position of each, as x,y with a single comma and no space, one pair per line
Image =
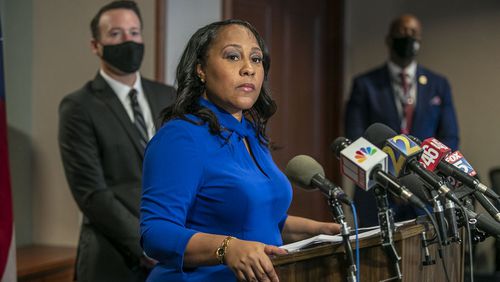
221,251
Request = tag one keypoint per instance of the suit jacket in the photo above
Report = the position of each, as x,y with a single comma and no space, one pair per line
372,100
102,158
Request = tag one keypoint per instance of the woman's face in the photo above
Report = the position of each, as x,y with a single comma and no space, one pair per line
233,71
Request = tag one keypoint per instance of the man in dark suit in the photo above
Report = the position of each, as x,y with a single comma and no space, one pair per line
104,128
406,97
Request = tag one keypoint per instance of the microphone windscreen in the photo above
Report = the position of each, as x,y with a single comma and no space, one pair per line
301,169
338,145
378,133
416,185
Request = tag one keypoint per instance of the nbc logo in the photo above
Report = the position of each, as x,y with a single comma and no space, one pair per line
363,153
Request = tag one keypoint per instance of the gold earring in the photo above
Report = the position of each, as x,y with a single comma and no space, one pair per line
202,80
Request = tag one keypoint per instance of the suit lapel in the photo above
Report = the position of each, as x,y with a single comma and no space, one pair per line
104,92
153,105
422,99
387,99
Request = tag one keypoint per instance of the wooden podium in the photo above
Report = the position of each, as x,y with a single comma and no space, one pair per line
326,262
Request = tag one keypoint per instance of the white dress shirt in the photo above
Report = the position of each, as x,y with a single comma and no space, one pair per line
411,78
122,90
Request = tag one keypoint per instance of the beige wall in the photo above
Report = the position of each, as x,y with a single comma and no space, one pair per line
461,40
59,61
47,55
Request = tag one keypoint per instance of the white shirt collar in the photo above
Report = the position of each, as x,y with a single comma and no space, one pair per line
121,89
395,70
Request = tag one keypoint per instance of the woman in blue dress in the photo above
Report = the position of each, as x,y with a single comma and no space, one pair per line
214,204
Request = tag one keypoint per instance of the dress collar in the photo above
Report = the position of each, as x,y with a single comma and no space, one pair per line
228,121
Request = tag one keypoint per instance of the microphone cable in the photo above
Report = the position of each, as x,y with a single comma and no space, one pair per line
440,244
468,235
469,240
355,216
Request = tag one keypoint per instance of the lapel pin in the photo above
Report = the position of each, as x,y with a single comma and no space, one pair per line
422,79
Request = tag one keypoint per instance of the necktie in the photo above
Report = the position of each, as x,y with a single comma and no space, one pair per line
408,106
139,122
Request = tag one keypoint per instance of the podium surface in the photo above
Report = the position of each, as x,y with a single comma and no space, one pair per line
326,262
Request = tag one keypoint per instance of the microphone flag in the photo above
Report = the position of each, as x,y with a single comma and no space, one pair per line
359,159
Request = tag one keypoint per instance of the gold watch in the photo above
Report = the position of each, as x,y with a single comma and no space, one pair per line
222,249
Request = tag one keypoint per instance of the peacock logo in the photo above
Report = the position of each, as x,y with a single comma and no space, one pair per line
363,153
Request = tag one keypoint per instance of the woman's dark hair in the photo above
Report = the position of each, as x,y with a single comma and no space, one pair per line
190,88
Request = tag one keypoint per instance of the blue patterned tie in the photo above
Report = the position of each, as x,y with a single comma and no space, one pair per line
139,122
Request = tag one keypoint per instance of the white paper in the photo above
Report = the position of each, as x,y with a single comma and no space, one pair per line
322,238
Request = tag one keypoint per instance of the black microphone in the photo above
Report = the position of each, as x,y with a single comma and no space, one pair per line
451,218
418,187
483,221
404,156
438,156
307,173
439,214
424,192
487,205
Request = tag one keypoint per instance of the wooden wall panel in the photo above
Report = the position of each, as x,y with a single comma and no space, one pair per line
305,43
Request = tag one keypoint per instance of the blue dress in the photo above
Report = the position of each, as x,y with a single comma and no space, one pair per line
194,181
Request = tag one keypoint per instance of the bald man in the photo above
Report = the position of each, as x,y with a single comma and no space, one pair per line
406,97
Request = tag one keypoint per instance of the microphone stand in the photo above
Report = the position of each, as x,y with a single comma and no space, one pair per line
338,214
386,222
451,218
439,215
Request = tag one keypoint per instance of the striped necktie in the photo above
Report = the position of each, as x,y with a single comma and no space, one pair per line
408,104
139,122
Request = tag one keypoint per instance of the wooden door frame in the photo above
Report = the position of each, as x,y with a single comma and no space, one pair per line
160,39
336,60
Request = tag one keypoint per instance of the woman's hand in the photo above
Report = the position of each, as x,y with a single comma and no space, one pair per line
250,260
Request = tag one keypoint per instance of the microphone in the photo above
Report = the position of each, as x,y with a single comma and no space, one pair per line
434,152
421,189
483,221
366,166
439,214
487,205
359,160
418,187
307,173
457,161
404,154
461,170
451,217
437,155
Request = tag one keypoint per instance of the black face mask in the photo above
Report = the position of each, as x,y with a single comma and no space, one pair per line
405,47
126,56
